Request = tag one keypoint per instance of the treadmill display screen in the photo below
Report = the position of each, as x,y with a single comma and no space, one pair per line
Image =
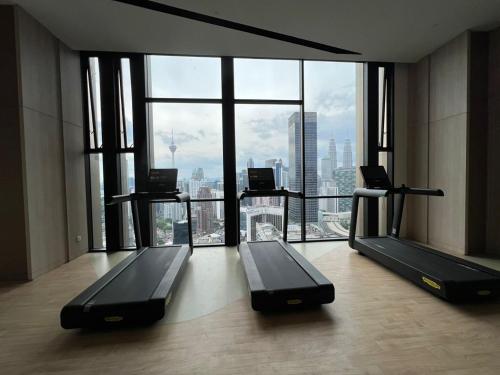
375,177
162,180
261,179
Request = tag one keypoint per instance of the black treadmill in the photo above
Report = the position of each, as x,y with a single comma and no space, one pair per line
446,276
138,289
278,276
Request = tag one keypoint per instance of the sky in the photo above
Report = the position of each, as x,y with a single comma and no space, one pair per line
261,130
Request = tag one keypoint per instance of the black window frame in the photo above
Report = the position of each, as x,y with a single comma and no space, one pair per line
112,146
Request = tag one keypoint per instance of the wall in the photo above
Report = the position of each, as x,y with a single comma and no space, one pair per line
493,155
46,143
448,121
74,162
437,144
447,138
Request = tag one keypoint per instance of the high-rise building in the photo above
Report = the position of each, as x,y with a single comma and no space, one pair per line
250,163
345,180
332,152
180,232
198,174
347,159
310,164
326,169
172,147
278,173
205,211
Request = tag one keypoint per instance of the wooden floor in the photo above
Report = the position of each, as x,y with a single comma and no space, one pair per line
378,324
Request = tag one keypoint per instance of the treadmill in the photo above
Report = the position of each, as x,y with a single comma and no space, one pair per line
278,276
138,289
446,276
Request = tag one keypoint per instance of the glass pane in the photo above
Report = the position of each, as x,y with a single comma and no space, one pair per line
95,93
261,219
270,136
208,221
127,121
97,201
184,77
382,107
188,137
172,226
330,92
334,218
128,187
266,79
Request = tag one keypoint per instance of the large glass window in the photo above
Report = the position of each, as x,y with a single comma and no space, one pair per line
300,118
330,145
187,135
268,134
96,206
184,77
266,79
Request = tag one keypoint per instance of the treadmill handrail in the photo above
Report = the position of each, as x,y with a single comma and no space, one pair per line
365,193
247,193
174,196
371,193
133,198
419,191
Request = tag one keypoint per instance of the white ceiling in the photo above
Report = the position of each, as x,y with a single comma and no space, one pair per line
382,30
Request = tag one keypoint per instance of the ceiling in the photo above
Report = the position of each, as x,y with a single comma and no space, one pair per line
381,30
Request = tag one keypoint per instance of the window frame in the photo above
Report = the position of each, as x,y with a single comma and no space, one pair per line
142,137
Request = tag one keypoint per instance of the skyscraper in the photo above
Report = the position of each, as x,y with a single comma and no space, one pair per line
310,164
326,169
347,159
332,152
250,163
172,147
198,174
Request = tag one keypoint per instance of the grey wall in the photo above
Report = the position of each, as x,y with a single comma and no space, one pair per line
45,151
437,144
72,121
43,144
453,146
417,148
448,121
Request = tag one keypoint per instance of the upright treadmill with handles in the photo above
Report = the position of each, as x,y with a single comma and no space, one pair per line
278,276
138,289
446,276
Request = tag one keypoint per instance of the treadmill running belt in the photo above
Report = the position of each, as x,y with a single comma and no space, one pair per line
129,286
276,268
425,261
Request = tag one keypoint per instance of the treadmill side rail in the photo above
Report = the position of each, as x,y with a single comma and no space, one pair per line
312,271
173,275
255,283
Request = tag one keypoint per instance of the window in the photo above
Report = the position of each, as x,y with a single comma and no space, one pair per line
96,205
330,146
268,134
301,118
185,125
93,145
93,86
266,79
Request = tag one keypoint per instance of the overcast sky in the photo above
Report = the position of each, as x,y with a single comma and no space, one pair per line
261,130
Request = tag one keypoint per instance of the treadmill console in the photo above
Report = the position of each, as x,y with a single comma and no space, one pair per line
261,179
162,180
375,177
